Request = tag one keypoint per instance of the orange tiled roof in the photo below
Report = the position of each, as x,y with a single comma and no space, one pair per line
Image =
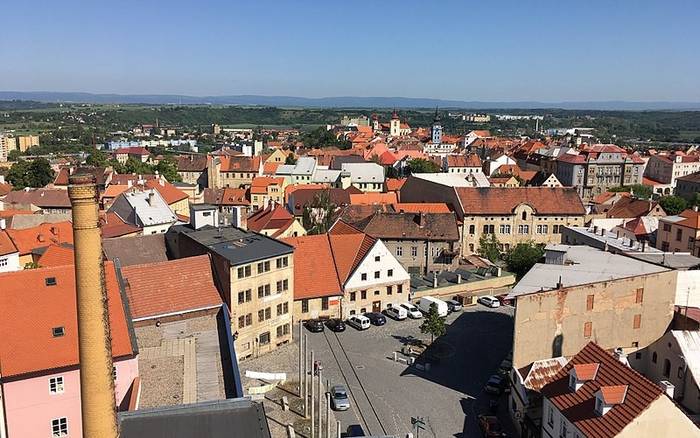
114,190
579,406
170,287
692,219
41,236
57,255
373,198
613,395
586,371
270,168
112,225
471,160
6,214
421,207
316,276
29,318
260,184
168,192
6,245
350,247
272,217
5,188
502,200
394,184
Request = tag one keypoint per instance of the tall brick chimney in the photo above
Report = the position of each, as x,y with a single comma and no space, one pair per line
96,382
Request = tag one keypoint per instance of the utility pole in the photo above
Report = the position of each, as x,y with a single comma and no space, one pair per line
328,415
301,366
320,402
312,394
337,429
306,377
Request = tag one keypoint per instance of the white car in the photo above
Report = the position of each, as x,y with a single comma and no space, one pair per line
360,322
397,312
412,310
489,301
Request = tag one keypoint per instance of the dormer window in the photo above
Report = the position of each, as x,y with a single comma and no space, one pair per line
582,373
58,332
608,396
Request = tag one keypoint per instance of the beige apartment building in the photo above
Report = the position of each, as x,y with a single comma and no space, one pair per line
225,171
24,142
513,215
256,275
680,233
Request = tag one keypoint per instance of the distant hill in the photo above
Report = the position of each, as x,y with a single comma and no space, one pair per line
335,102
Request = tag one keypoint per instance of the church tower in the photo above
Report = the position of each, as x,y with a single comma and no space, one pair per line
376,127
436,130
395,125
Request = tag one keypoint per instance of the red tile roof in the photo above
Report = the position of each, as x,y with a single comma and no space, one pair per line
272,217
270,168
627,207
112,225
240,163
471,160
43,198
226,196
421,207
5,188
503,200
57,255
394,184
114,190
174,286
168,192
578,406
350,246
123,179
29,317
370,198
132,150
315,274
191,163
586,371
260,184
41,236
6,245
692,219
613,395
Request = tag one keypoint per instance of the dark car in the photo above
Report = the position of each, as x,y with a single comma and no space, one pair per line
376,318
314,325
354,430
336,325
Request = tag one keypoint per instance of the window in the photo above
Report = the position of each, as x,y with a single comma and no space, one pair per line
59,427
353,296
587,329
399,288
664,246
654,357
241,297
550,416
241,321
114,373
268,313
50,281
679,234
377,258
282,285
363,294
3,262
282,330
640,295
376,274
523,229
555,229
589,302
56,385
542,229
58,332
304,306
637,321
504,229
282,309
264,338
352,312
390,273
414,251
524,215
263,267
282,262
363,277
399,251
667,368
244,271
261,315
472,229
562,429
389,290
324,303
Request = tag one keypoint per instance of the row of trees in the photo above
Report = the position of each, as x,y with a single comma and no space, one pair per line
166,167
36,173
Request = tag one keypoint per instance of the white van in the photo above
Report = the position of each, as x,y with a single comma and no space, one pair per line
411,310
360,322
425,303
396,312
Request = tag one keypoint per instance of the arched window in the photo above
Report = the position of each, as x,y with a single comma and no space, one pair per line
667,368
653,357
524,215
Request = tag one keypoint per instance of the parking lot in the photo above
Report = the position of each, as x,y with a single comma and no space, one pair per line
386,394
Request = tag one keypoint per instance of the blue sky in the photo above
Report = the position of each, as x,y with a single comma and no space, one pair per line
471,50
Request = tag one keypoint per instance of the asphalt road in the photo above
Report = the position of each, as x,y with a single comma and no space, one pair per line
386,394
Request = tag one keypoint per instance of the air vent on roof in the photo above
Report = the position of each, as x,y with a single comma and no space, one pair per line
58,332
50,281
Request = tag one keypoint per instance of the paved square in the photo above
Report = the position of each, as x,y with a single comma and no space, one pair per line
386,394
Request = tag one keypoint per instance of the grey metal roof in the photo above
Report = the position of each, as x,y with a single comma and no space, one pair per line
232,418
237,245
202,207
583,265
671,260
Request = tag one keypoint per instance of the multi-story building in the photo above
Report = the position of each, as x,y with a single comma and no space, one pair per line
463,164
7,144
680,233
145,209
421,242
688,186
233,205
666,168
513,215
346,272
46,200
368,177
232,171
9,254
275,221
255,274
40,382
265,190
598,168
597,395
24,142
193,169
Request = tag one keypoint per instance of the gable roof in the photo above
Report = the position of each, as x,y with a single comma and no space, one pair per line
394,184
112,225
41,236
29,317
136,250
315,274
578,406
226,196
369,198
692,219
173,286
260,184
272,217
240,163
541,372
6,245
42,198
503,200
168,192
191,163
57,255
412,226
628,207
471,160
302,197
421,207
349,246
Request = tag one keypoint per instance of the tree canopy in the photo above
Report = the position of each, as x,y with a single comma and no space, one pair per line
523,257
673,205
433,324
421,165
36,173
489,247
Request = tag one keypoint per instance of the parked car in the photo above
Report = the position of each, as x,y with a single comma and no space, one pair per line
360,322
453,305
494,386
412,310
354,430
489,301
376,318
339,398
314,325
505,301
490,426
336,325
397,312
426,302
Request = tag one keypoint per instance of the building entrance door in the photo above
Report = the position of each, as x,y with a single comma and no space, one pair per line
376,306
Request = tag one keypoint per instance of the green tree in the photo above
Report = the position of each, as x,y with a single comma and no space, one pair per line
489,247
433,324
641,191
35,173
168,168
97,158
673,205
421,165
317,217
291,159
14,155
523,257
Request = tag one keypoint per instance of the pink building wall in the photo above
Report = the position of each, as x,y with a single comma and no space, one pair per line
30,407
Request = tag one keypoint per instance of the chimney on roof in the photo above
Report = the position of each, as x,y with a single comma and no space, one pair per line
668,387
595,229
435,279
459,278
150,198
3,224
94,345
620,355
559,283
